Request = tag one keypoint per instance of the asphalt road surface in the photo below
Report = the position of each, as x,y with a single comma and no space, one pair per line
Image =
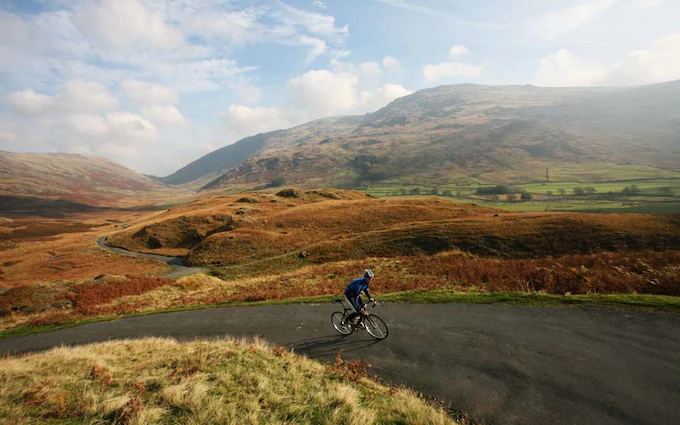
501,364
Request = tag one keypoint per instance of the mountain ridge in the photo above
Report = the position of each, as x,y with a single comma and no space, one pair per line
466,129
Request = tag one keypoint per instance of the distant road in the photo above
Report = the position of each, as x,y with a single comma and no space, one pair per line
502,364
177,263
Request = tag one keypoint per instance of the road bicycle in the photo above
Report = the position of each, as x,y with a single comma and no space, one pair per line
373,324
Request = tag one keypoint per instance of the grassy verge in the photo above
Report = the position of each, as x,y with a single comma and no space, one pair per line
154,381
638,302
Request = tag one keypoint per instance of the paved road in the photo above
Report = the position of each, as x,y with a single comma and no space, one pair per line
178,269
502,364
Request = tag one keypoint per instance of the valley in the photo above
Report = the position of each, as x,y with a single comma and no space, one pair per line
460,196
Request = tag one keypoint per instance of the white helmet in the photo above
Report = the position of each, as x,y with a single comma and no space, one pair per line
368,274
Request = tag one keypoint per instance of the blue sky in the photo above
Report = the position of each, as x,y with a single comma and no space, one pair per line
155,84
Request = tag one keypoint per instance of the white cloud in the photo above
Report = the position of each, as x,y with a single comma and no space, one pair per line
164,114
8,135
242,121
315,94
324,93
125,24
458,50
318,3
372,70
315,23
28,102
412,6
572,18
236,27
659,63
145,92
403,4
647,3
202,75
563,69
130,127
390,63
89,96
87,125
74,96
316,46
451,71
82,117
247,94
123,136
372,101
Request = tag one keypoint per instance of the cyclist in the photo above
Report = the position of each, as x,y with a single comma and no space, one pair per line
353,295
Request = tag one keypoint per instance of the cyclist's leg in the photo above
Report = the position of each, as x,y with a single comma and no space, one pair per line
359,303
360,309
354,303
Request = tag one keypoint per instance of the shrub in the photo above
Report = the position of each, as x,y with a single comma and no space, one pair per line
277,182
631,190
292,192
105,289
501,189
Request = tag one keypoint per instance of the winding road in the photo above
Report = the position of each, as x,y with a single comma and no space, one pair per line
178,269
501,364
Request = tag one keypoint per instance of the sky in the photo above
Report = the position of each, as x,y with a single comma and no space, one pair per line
156,84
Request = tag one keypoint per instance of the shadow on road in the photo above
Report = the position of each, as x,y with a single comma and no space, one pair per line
328,346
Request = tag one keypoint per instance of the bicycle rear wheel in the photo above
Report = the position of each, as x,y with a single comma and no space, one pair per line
376,327
336,320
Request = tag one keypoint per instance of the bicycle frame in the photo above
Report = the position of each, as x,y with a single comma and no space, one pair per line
349,310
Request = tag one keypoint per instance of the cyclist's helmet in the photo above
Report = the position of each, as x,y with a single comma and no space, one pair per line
368,274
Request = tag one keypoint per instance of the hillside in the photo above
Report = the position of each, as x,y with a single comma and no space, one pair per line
230,156
293,228
452,132
30,178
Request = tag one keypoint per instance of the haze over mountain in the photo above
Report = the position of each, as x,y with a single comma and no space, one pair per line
452,131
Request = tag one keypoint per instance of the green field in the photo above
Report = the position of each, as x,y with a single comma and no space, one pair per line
579,205
604,172
657,190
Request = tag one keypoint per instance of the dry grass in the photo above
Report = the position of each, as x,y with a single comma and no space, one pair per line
258,228
646,272
268,224
49,250
160,381
48,304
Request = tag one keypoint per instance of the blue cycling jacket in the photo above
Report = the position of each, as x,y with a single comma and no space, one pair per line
356,286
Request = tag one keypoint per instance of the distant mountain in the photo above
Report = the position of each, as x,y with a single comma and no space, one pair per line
223,159
462,130
76,178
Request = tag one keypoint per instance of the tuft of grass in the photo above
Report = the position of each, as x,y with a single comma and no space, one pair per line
158,381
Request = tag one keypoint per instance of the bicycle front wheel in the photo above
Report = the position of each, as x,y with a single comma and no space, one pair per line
337,321
376,327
